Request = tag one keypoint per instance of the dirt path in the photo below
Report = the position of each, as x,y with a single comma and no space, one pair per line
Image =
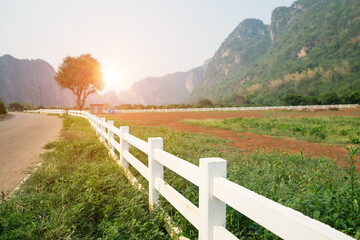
22,136
248,142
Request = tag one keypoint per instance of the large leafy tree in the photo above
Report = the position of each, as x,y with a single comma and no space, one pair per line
82,75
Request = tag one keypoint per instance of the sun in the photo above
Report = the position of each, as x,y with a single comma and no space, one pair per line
111,76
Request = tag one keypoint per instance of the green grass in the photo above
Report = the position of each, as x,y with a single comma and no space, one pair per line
327,129
2,116
316,187
79,193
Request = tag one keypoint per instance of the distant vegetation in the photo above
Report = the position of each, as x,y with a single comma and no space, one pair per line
2,108
15,106
313,50
203,103
352,97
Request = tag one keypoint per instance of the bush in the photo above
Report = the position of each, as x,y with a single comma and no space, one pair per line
27,106
352,97
204,103
329,98
15,106
293,99
2,108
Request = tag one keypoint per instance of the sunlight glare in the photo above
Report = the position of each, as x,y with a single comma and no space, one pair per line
111,76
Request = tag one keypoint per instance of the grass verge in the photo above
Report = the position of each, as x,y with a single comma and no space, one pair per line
78,193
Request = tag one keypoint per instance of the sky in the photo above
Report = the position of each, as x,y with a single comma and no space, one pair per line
132,39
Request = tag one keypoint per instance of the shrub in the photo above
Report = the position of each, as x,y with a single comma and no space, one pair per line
15,106
204,103
2,108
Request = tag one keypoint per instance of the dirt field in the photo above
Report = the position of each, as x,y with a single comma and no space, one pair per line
247,142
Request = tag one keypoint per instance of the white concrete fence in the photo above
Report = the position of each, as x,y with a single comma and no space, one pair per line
215,191
314,107
340,106
47,111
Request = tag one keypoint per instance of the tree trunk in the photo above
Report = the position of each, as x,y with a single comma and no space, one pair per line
78,102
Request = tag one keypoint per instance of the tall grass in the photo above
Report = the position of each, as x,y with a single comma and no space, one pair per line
78,193
316,187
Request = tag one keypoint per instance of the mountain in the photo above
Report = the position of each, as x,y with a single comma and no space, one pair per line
20,80
310,48
109,97
242,48
170,89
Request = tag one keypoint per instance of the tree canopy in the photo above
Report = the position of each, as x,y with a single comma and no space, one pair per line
82,75
2,107
15,106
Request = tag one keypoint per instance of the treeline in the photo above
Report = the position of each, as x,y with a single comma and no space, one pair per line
19,107
2,108
352,97
203,103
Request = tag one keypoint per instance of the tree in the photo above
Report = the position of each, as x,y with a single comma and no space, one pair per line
204,103
82,75
15,106
27,106
2,107
293,99
352,97
329,98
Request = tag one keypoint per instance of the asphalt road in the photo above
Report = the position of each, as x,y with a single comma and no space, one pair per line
22,136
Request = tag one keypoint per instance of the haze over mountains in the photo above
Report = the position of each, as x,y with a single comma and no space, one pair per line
310,48
21,80
173,88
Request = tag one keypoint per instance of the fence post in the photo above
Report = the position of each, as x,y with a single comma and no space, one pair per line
93,121
124,146
212,210
102,133
111,136
98,125
156,169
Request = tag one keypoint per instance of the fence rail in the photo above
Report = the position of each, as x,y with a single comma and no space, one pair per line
314,107
340,106
215,191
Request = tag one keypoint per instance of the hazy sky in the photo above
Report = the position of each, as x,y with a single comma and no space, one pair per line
132,39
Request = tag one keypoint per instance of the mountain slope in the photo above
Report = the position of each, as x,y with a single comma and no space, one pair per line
311,48
243,47
20,81
170,89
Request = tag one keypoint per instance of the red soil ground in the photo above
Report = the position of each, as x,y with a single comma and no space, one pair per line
246,141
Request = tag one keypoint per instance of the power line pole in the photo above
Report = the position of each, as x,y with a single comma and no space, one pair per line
40,96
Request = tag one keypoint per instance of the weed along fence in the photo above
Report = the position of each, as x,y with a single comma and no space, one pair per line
215,191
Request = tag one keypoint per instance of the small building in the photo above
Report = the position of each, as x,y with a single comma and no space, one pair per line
96,108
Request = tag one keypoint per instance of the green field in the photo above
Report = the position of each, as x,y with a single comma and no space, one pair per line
325,129
80,193
316,187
